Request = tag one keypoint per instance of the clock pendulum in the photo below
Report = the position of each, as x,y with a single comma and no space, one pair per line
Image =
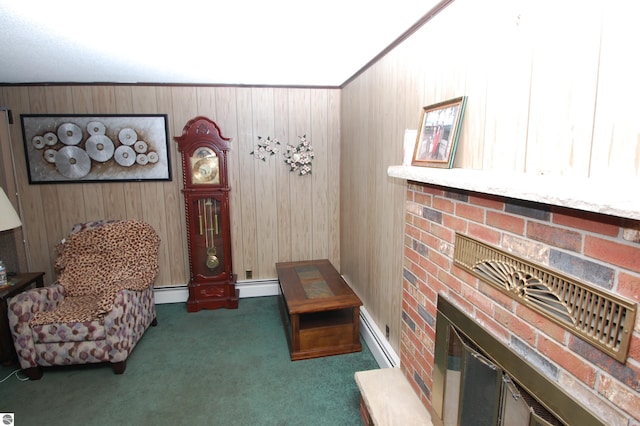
212,261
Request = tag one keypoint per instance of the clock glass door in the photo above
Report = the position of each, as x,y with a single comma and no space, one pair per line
209,249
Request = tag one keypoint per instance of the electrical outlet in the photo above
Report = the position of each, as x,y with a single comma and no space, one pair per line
386,330
248,274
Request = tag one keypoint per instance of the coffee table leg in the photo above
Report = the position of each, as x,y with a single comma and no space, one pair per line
295,333
356,326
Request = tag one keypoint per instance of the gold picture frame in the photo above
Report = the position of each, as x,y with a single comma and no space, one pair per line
438,134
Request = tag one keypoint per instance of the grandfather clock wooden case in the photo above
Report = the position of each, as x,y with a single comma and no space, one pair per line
204,150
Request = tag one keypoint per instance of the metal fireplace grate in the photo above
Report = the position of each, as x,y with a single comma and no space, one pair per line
593,314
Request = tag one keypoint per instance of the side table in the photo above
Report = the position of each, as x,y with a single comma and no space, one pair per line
17,284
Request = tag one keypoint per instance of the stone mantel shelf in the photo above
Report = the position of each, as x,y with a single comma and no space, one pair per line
616,197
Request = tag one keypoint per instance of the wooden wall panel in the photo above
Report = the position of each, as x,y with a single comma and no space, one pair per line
333,177
563,88
375,174
174,224
265,184
352,128
317,136
300,187
282,133
546,94
616,132
104,99
246,186
206,100
508,77
261,202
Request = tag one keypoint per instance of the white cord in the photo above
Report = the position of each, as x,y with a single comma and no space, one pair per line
22,379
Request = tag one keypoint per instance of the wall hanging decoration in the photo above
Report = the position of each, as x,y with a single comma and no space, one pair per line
299,157
265,147
438,133
89,148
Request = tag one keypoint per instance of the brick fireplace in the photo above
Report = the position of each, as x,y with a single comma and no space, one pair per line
602,250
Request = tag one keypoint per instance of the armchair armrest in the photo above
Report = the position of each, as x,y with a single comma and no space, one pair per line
24,306
21,309
133,311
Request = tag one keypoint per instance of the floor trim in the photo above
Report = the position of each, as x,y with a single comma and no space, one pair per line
380,348
180,294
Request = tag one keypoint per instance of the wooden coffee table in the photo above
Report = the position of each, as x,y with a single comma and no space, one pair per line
320,312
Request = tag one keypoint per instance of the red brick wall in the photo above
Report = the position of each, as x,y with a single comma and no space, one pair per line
597,249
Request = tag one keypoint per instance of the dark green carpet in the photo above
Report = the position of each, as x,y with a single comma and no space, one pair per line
220,367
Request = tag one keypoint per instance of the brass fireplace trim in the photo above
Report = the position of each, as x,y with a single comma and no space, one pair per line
550,394
603,319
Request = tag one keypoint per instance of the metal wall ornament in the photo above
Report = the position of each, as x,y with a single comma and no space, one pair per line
297,157
78,148
265,147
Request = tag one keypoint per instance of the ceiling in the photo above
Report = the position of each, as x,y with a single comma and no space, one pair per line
247,42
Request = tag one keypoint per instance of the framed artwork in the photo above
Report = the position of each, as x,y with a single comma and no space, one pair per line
438,133
96,148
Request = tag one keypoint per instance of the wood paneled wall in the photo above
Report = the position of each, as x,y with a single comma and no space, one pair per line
276,215
552,88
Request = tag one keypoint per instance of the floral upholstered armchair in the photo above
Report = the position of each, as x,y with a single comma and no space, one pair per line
101,304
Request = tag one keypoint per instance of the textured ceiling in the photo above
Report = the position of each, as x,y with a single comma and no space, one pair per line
252,42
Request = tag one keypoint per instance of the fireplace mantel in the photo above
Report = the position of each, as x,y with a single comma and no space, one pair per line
615,196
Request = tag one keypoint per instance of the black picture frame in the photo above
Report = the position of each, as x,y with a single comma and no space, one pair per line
83,148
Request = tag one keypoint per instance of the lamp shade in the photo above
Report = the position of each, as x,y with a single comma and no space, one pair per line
8,217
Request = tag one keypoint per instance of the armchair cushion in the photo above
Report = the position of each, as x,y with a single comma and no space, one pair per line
70,309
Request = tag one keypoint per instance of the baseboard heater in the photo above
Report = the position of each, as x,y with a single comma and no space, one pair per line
377,343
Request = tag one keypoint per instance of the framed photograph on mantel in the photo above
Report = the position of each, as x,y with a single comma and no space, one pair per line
77,148
438,133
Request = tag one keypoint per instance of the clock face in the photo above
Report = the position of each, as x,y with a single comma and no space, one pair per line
204,166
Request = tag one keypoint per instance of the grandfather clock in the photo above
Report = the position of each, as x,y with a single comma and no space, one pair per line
212,283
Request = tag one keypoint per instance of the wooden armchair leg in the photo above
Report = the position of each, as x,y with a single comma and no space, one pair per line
119,367
154,322
33,373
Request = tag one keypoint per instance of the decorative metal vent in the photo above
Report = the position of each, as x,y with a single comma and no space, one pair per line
591,313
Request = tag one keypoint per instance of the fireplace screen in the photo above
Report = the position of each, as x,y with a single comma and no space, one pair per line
478,392
479,381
